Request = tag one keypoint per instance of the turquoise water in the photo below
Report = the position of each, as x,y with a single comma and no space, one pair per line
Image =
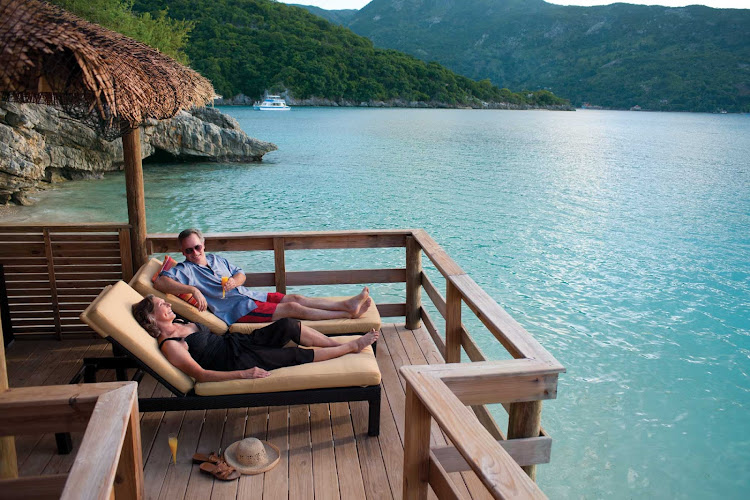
619,240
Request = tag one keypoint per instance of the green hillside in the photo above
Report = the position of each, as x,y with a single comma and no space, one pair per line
693,58
249,46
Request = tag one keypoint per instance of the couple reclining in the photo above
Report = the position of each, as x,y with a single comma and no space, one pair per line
206,357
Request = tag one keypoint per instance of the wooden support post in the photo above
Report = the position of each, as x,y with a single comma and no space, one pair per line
131,148
452,323
413,284
8,463
525,421
416,447
129,478
279,262
52,283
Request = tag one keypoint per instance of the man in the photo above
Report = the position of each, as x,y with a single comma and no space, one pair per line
201,275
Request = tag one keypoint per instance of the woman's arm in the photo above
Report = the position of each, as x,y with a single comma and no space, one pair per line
182,360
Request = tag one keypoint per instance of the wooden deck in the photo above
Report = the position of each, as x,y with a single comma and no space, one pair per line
326,453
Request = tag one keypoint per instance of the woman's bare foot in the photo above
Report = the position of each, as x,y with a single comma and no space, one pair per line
368,338
354,304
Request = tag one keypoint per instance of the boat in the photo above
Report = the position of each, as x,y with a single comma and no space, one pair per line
272,103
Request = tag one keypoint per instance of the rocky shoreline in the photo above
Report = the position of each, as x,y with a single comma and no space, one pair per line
243,100
41,145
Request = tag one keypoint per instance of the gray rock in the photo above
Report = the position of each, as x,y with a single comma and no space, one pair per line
40,145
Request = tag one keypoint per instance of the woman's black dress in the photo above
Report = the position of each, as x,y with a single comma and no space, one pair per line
263,348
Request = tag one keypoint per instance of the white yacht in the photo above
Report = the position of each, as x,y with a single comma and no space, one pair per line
272,103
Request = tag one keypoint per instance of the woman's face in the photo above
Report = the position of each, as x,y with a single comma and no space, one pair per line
162,310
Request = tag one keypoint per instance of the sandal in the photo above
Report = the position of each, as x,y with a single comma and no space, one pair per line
221,470
212,457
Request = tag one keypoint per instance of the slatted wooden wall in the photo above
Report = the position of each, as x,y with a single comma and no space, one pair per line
53,272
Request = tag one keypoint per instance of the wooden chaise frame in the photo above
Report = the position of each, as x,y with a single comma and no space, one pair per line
123,359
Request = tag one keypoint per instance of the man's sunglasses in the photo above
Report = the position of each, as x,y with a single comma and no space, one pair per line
190,250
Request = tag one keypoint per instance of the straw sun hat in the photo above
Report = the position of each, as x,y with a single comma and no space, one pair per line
252,456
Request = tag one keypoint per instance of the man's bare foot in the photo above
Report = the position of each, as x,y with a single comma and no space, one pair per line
368,338
354,304
363,307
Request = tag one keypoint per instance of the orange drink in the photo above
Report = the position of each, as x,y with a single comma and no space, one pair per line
173,446
224,280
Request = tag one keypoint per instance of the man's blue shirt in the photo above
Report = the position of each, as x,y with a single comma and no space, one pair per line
238,302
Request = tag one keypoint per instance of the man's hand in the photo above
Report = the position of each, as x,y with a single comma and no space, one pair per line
197,295
231,284
254,372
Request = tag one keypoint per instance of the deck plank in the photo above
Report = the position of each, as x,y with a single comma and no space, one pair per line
156,466
345,448
178,475
201,484
276,482
325,479
374,475
234,430
300,453
256,426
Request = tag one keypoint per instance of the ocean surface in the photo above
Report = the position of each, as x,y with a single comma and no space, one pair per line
620,240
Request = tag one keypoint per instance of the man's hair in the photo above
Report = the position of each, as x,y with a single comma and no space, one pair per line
187,232
142,313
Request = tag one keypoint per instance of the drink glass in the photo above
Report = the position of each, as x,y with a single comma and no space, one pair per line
173,446
224,280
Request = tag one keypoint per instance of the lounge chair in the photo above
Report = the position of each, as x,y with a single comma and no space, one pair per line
142,283
353,377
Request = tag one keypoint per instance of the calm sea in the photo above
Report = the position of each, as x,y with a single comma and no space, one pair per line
620,240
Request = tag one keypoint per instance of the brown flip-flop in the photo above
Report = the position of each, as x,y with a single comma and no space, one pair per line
212,457
221,470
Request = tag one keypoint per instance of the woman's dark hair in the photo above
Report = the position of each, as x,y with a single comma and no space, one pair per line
142,313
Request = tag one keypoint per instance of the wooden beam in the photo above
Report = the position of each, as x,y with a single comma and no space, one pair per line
129,478
452,324
433,293
492,464
518,342
416,447
96,464
279,265
436,254
413,283
391,310
131,148
440,482
346,276
8,461
527,451
47,487
434,334
525,420
126,254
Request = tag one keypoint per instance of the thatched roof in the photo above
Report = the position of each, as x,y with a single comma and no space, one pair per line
102,77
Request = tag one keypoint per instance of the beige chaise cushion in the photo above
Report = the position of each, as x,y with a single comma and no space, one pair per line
369,320
142,283
110,314
351,370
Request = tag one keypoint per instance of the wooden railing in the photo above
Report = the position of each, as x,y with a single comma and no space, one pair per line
67,261
53,272
108,464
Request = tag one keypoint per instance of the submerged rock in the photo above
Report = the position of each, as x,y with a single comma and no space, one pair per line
40,145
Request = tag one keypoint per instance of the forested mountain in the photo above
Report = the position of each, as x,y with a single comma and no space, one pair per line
620,55
249,46
340,16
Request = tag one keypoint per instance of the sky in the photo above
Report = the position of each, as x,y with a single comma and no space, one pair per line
726,4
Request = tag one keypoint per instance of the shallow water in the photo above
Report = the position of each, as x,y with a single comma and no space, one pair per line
620,240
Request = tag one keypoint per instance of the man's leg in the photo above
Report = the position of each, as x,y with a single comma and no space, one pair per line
298,311
355,305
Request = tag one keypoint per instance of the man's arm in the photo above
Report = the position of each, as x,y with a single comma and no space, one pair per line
168,285
237,280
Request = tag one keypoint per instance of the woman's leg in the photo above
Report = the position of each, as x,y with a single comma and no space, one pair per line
326,353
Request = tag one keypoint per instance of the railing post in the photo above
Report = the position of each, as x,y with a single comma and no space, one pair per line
413,284
452,323
8,461
6,329
416,447
279,265
52,283
129,477
525,421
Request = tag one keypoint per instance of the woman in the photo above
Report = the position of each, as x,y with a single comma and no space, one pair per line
206,357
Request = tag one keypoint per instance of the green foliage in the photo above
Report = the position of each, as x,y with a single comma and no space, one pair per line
692,58
155,29
249,46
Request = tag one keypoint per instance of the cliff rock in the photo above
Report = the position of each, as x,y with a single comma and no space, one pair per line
40,145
